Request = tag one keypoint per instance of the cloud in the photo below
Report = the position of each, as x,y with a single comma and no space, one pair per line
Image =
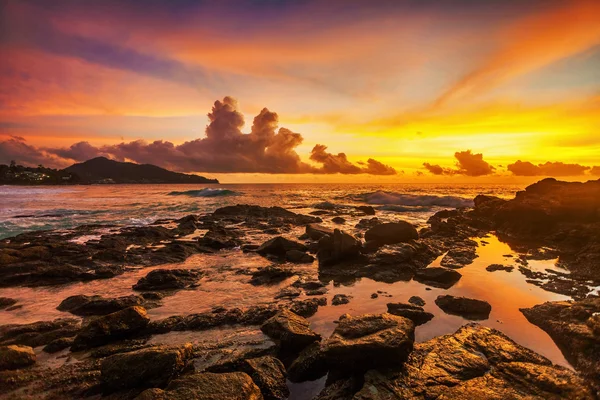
525,168
595,171
224,149
467,163
15,148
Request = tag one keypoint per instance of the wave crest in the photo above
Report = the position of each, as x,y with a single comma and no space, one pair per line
206,192
401,199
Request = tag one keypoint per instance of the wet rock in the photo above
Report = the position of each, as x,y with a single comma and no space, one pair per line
16,357
416,300
338,220
476,362
107,328
338,247
309,365
374,295
468,308
151,367
391,233
368,210
342,389
415,313
297,256
574,328
268,373
438,277
308,307
168,279
6,302
59,345
219,237
288,293
207,386
459,257
499,267
39,333
279,246
290,330
317,292
316,231
340,299
270,275
367,223
369,341
83,305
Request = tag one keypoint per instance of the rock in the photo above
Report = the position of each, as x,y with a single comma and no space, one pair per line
340,299
574,328
6,302
391,233
219,237
415,313
499,267
368,210
342,389
317,292
268,373
168,279
309,365
83,305
279,246
476,362
438,277
290,330
416,300
367,223
337,247
338,220
207,386
316,231
16,357
369,341
150,367
59,345
107,328
297,256
39,333
459,257
307,308
374,295
468,308
270,275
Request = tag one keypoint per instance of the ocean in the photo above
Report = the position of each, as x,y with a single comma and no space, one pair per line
28,208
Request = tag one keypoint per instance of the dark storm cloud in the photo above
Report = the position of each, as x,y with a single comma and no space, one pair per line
467,163
525,168
225,148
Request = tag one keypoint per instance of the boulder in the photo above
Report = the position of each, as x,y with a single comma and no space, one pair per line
59,344
369,341
268,373
337,247
149,367
467,308
340,299
6,302
290,330
316,231
39,333
279,246
459,257
438,277
219,237
391,233
107,328
574,327
207,386
309,365
168,279
499,267
368,210
476,362
297,256
338,220
416,300
415,313
83,305
270,275
16,357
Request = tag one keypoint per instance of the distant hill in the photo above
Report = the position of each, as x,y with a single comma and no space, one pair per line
103,170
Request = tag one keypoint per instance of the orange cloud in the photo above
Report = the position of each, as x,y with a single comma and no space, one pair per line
467,163
531,43
553,169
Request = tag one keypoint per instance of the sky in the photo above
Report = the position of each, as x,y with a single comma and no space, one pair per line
306,91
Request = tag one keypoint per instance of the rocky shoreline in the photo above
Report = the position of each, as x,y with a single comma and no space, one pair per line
111,347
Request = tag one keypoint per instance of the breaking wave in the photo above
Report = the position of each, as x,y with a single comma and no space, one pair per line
206,192
413,200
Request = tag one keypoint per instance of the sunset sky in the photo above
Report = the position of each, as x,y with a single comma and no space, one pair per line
425,90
